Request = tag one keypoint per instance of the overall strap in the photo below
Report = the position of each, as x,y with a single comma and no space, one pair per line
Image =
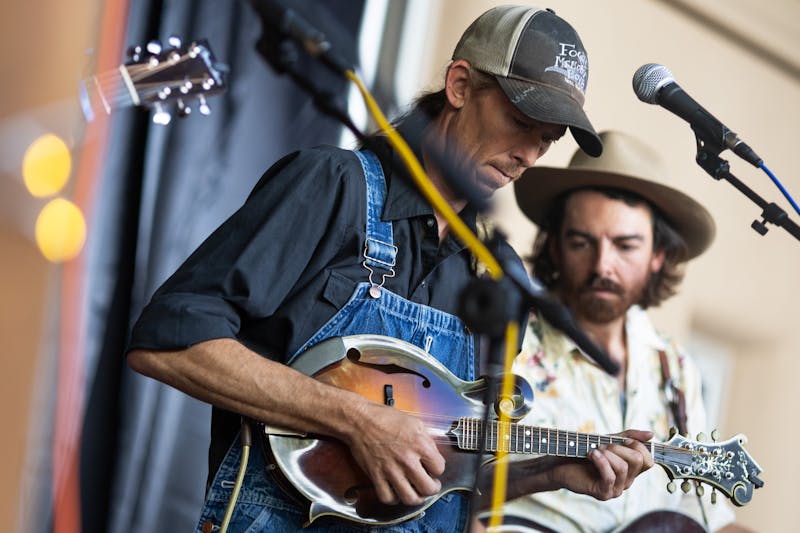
379,249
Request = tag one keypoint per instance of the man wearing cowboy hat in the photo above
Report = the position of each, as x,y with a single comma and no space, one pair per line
613,243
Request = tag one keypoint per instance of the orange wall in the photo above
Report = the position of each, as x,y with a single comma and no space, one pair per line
24,278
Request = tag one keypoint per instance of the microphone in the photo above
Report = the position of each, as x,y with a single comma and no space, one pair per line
654,84
286,21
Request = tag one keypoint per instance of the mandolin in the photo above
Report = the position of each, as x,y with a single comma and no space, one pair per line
393,372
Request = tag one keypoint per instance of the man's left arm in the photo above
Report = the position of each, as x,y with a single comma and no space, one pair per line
605,474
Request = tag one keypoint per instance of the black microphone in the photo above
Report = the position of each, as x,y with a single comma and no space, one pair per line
286,21
654,84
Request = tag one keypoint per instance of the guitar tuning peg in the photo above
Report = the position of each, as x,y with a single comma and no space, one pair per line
700,490
203,106
701,437
174,41
671,487
673,431
685,486
161,117
183,109
713,496
134,53
715,435
154,47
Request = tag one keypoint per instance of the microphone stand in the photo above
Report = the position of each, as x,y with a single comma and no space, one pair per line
708,150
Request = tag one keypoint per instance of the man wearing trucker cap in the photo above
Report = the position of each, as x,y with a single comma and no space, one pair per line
334,243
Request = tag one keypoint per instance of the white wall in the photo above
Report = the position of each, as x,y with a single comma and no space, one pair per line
743,293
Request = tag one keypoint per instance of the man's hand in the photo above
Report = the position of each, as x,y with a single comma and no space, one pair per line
397,453
607,472
610,470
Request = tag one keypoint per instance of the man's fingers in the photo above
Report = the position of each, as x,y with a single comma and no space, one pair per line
605,474
414,486
638,434
433,462
383,491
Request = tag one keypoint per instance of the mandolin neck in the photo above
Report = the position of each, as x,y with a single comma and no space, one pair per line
510,437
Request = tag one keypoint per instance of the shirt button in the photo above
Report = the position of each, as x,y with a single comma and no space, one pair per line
430,222
207,527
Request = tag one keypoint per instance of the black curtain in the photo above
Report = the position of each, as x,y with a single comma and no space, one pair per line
163,190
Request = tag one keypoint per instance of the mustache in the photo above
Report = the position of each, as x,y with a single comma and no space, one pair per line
604,284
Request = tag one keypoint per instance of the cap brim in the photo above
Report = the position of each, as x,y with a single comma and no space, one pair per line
548,104
540,186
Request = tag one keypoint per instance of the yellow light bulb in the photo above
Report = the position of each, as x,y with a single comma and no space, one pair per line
60,230
46,166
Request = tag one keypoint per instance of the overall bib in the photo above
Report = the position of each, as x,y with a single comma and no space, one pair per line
262,505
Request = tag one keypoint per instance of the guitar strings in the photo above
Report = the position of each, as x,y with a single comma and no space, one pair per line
113,89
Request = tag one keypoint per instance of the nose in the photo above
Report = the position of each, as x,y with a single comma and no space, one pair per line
527,152
604,260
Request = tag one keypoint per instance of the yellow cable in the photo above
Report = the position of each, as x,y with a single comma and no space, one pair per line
483,255
239,480
501,466
426,187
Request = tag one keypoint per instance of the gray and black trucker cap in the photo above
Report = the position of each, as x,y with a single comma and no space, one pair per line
540,63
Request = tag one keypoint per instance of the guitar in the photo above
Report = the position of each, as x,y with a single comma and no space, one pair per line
155,76
393,372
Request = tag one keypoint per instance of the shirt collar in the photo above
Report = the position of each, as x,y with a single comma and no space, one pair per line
641,333
403,199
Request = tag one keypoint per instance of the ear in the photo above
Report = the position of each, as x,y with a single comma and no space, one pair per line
657,261
457,83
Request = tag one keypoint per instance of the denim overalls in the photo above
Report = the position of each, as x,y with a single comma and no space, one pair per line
262,505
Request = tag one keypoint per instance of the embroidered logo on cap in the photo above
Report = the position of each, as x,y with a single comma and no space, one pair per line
571,63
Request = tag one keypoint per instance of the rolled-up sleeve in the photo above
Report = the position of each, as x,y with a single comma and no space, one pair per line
248,266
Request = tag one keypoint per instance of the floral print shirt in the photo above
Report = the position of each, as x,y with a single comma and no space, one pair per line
571,392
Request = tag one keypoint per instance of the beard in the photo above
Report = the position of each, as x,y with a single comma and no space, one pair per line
589,306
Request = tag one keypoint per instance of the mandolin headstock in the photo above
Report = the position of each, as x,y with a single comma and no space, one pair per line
726,465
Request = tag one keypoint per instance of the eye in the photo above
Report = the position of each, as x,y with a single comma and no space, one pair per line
577,244
522,125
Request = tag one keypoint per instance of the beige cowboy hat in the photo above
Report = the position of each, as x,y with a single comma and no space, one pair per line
624,161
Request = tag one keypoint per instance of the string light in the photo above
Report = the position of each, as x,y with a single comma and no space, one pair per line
46,166
60,230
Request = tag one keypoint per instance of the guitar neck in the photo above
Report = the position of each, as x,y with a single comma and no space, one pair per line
106,92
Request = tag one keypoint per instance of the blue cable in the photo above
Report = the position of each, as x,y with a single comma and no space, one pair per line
778,184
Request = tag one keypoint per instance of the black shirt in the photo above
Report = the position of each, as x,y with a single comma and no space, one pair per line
284,263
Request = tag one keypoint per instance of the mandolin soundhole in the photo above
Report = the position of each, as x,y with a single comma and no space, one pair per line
351,496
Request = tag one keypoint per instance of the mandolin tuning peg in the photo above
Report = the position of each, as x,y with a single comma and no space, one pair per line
686,487
700,490
672,432
174,41
183,109
701,437
715,435
154,47
671,487
161,117
713,496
